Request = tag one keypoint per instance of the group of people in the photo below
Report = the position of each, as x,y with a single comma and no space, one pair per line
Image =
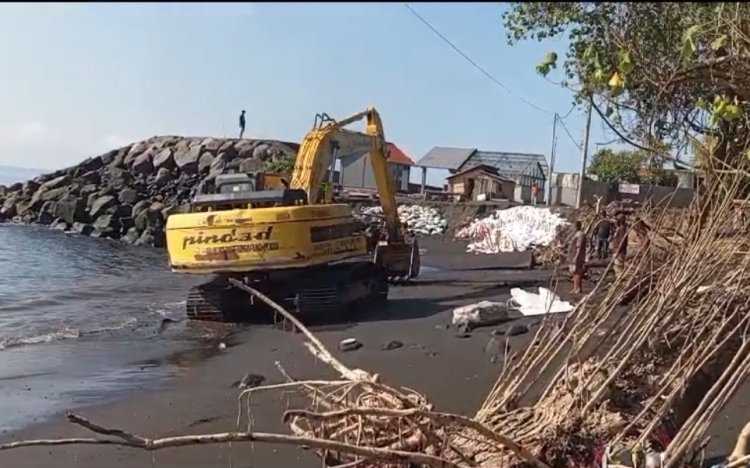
606,233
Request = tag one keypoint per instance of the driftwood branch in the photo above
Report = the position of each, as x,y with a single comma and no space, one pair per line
440,418
124,438
314,345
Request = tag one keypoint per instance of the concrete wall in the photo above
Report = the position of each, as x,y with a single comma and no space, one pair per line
565,188
356,172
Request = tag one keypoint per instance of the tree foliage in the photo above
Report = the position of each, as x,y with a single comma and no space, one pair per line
611,167
282,164
654,71
631,166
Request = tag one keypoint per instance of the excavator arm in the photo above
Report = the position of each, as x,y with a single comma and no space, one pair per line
329,138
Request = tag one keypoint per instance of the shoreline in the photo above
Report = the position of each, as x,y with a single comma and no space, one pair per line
456,373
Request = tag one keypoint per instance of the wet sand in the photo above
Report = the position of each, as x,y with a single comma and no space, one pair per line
455,372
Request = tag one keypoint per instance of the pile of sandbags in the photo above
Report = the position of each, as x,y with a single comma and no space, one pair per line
423,220
513,230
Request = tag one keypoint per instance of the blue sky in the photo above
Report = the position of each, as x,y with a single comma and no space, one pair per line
80,79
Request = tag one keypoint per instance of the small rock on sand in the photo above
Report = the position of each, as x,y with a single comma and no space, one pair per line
349,344
516,330
392,345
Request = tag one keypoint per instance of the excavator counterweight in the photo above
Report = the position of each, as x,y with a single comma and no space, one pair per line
287,239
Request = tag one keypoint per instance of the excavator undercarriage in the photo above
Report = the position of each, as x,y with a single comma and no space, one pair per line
313,291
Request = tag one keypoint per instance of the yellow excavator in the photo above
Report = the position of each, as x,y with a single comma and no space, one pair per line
287,239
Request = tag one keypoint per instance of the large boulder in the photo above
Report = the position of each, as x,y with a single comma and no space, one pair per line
71,210
108,225
262,152
30,187
219,163
163,176
100,205
150,219
143,165
91,177
8,208
212,145
205,161
46,215
116,177
164,159
82,229
251,165
131,236
55,183
139,207
128,195
93,164
187,159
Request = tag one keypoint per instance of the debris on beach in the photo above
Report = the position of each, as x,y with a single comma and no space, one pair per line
544,302
424,220
479,314
349,344
516,229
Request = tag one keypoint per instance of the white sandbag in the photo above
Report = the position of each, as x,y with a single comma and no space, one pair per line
479,314
424,220
529,303
513,230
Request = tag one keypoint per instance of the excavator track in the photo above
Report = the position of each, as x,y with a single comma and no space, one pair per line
306,293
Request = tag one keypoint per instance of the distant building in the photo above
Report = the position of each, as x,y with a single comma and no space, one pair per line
524,169
481,181
356,170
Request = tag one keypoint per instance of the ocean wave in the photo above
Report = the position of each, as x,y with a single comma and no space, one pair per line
64,334
59,335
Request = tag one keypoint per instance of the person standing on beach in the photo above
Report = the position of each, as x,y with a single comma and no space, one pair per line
602,231
577,257
242,124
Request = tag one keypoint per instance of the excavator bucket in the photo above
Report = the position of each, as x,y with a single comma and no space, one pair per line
401,261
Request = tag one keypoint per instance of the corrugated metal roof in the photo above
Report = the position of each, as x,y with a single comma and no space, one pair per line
508,164
441,157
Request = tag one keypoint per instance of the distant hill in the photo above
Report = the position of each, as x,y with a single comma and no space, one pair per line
10,174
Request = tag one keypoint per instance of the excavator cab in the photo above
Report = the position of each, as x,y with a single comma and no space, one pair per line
246,190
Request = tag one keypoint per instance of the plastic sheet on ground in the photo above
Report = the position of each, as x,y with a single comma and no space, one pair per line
516,229
529,303
419,219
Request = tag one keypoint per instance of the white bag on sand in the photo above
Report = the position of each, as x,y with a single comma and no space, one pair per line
479,314
538,304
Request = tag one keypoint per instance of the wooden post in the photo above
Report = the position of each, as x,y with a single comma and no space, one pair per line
424,179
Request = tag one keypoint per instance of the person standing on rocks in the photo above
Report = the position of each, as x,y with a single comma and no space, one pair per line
242,124
577,257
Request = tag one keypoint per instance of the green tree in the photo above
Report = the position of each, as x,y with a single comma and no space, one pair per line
653,71
613,167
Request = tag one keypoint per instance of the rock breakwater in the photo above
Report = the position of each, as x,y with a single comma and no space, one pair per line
127,193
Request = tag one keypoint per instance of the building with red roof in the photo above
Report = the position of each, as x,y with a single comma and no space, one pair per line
356,169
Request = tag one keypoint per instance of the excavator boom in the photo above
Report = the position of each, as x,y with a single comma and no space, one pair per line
328,139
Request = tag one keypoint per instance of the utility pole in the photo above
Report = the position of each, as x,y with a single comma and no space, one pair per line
551,161
584,154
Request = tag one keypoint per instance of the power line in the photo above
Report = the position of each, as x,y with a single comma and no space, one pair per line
476,65
567,132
